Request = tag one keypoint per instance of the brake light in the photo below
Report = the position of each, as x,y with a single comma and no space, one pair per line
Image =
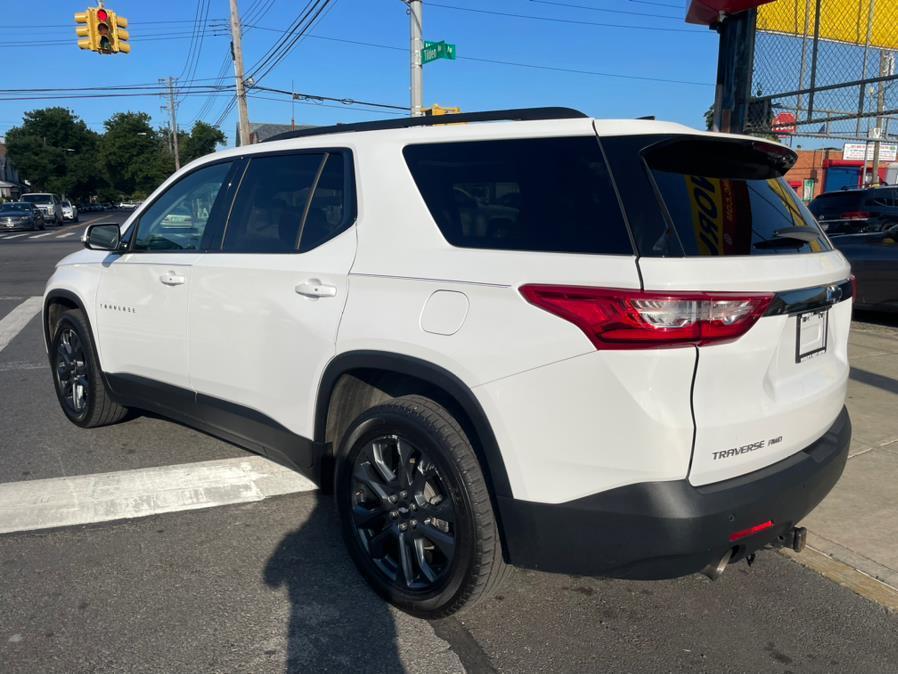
856,215
751,531
853,287
633,319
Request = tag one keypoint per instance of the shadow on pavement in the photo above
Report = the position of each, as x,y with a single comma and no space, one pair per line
888,319
872,379
336,622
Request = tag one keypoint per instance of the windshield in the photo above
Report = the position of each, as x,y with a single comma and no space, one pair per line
836,203
15,208
37,198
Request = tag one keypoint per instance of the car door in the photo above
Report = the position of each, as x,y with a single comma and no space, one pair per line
265,308
141,303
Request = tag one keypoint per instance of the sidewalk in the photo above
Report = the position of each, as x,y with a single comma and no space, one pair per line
857,524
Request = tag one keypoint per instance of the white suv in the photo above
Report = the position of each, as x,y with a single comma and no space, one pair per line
585,346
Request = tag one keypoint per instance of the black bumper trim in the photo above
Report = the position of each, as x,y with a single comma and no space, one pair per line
668,529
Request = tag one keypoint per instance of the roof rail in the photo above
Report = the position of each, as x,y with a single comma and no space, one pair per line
520,114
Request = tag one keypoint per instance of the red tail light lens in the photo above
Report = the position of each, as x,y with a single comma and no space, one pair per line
634,319
856,215
853,287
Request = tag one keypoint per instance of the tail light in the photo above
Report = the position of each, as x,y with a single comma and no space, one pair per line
853,287
634,319
751,531
856,215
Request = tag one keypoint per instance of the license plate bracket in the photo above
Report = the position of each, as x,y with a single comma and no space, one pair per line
811,333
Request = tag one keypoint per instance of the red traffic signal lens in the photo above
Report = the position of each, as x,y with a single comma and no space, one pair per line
102,15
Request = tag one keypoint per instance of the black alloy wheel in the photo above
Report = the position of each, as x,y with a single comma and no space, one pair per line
415,509
72,373
403,513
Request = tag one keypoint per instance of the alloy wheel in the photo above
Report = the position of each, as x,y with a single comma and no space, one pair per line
72,374
403,514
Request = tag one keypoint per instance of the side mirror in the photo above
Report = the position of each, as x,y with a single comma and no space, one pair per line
102,237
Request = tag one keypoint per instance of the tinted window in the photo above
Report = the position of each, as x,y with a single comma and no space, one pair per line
270,204
836,202
546,194
178,218
327,215
38,198
728,198
16,208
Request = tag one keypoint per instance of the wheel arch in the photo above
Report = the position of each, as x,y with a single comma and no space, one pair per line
357,380
55,303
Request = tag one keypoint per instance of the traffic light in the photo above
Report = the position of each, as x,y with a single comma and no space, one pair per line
87,29
120,42
105,35
436,110
102,31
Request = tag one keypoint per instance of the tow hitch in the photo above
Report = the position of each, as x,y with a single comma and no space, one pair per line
796,538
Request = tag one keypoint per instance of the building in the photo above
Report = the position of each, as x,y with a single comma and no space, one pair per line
10,185
259,132
808,175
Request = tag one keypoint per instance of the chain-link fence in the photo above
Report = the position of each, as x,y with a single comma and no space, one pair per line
826,69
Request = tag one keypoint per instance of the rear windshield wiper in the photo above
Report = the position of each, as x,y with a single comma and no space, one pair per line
790,237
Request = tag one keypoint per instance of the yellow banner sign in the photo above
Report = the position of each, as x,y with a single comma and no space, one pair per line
840,20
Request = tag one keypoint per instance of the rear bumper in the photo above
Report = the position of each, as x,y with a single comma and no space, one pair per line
668,529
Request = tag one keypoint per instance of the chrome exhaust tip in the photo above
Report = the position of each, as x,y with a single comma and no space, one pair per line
715,571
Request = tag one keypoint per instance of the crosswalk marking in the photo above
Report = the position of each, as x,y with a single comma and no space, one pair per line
103,497
62,236
12,324
41,236
16,236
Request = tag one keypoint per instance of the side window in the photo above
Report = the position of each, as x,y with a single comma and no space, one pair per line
177,219
327,216
270,204
542,194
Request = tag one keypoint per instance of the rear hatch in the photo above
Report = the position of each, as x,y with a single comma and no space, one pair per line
724,221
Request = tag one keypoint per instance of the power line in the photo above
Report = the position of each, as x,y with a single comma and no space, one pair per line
320,14
560,20
378,111
534,66
345,101
608,11
152,38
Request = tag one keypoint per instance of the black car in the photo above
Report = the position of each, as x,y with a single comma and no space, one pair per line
20,215
874,262
853,211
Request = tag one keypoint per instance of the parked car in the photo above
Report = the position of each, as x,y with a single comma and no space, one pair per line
20,215
635,367
127,204
69,211
853,211
874,262
49,205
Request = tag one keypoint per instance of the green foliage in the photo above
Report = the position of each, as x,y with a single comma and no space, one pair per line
58,153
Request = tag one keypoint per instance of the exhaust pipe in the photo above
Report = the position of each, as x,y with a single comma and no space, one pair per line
715,571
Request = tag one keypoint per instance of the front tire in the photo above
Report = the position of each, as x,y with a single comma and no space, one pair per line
77,377
415,509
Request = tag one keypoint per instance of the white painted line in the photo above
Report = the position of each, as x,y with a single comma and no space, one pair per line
40,236
16,236
85,499
62,236
12,324
15,366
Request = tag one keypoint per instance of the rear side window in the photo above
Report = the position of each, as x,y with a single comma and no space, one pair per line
270,203
545,194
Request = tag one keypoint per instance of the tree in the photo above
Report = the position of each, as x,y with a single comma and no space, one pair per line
56,152
130,153
203,139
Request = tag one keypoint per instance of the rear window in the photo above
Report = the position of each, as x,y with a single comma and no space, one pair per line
697,197
836,202
544,194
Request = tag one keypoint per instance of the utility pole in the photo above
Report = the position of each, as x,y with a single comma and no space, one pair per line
417,68
174,121
885,69
237,55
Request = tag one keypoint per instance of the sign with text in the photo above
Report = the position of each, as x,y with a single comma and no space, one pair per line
437,50
864,151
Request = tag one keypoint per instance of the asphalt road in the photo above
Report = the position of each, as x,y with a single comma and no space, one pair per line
266,586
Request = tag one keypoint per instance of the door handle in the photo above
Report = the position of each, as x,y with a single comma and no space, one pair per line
315,289
172,279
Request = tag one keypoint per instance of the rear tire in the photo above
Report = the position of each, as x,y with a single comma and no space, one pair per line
415,509
77,378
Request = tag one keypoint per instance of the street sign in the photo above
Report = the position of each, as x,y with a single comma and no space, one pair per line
864,151
437,50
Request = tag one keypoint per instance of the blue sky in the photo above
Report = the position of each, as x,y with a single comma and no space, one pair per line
321,64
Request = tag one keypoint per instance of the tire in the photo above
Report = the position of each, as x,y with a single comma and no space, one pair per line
77,378
426,540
